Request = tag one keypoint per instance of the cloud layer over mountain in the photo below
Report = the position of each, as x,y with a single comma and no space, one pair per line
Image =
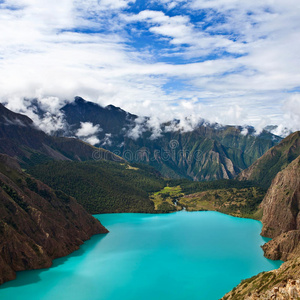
228,61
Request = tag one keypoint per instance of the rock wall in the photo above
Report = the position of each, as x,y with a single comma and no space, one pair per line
281,218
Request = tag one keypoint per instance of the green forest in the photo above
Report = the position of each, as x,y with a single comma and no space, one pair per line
103,186
109,187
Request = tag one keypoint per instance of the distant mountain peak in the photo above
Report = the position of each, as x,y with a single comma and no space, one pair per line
115,108
78,100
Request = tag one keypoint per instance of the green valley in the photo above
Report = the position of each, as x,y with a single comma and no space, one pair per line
105,187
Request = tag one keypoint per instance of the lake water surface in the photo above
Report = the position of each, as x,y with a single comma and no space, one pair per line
184,255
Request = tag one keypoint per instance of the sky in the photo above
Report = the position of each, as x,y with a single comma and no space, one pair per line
227,61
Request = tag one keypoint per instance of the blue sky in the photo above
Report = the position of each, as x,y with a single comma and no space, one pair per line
228,61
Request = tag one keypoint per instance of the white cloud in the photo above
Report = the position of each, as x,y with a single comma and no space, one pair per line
154,124
50,123
114,4
181,31
106,140
87,129
169,4
93,140
88,133
245,131
53,51
137,131
292,112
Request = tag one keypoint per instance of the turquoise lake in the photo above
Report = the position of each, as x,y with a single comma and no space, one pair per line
184,255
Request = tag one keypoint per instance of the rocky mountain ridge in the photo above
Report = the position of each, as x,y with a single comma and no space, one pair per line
199,151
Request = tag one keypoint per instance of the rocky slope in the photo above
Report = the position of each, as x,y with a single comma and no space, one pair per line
20,138
37,224
281,222
281,218
273,161
281,284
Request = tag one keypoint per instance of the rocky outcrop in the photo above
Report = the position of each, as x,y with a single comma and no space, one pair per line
289,290
284,247
281,218
37,223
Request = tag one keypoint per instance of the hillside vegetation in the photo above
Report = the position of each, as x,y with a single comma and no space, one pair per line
103,186
237,201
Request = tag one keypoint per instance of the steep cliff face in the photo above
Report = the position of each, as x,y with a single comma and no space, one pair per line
273,161
281,204
281,218
37,224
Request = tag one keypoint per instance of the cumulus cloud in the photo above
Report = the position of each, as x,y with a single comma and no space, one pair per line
88,132
87,129
154,125
50,123
93,140
114,4
169,4
291,108
245,131
143,124
138,129
107,140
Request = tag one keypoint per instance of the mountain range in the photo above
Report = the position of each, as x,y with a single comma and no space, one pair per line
202,151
